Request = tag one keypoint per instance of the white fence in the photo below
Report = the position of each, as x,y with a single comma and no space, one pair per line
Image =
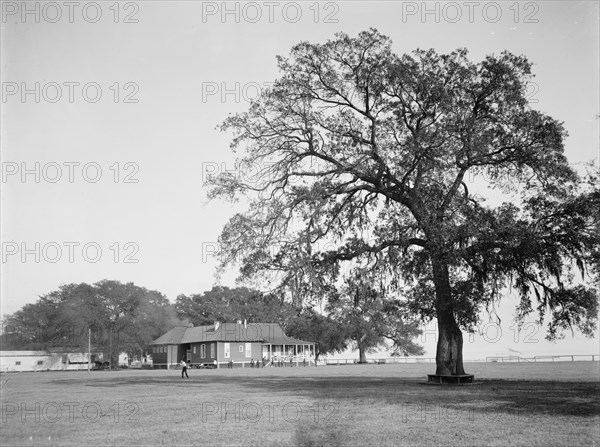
501,359
545,358
325,361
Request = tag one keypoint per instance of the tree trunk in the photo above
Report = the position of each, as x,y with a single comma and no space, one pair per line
448,358
362,354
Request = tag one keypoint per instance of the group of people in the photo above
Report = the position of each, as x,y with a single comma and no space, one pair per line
281,362
253,364
258,363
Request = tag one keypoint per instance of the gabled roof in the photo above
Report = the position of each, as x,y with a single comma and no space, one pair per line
252,332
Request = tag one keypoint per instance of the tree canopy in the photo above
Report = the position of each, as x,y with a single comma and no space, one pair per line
121,317
364,157
233,304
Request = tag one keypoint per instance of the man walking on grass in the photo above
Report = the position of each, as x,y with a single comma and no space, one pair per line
184,368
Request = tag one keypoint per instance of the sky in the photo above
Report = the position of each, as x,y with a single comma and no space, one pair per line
109,120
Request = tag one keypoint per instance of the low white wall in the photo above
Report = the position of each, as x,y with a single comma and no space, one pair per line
21,361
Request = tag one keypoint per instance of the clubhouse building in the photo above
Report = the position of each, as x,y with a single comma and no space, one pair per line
236,344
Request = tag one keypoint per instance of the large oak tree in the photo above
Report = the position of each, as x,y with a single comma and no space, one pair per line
360,156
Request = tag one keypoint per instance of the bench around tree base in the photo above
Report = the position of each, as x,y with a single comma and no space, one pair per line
458,379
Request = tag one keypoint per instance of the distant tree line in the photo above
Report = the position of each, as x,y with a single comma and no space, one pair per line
119,317
127,318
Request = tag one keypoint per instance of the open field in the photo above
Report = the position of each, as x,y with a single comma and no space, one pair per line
512,404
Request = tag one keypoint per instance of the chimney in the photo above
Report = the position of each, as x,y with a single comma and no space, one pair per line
217,324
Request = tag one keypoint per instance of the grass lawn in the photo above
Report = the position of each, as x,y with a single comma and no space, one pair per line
512,404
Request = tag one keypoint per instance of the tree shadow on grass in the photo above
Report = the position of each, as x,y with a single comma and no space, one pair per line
527,397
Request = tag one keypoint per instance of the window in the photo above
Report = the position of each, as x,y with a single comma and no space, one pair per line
17,363
241,348
248,350
212,350
40,362
227,348
194,349
202,351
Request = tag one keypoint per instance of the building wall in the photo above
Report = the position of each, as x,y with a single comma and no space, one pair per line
168,356
159,356
24,361
17,361
208,357
234,352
